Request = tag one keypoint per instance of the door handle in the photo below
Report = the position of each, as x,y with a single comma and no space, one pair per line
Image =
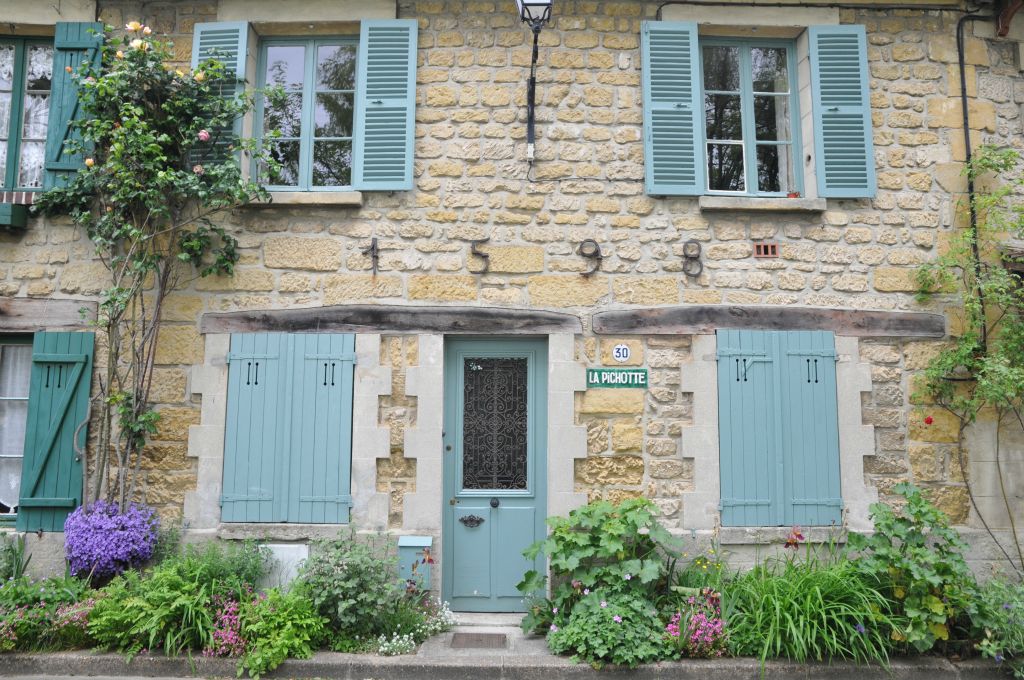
495,502
471,521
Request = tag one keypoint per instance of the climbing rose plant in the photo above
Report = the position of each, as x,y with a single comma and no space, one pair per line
159,167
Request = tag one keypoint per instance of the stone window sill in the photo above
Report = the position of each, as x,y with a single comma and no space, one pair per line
755,204
768,535
276,531
314,199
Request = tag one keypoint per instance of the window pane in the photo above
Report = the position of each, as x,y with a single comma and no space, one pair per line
332,164
15,370
40,68
10,482
285,64
287,155
37,113
13,416
284,115
725,167
722,116
769,68
771,117
721,68
6,66
334,115
336,67
774,168
30,170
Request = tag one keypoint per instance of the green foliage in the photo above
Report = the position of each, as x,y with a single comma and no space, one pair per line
999,623
615,548
808,610
918,560
158,172
354,584
609,627
226,568
33,614
278,626
13,558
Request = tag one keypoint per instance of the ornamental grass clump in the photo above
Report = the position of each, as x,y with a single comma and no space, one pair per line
102,541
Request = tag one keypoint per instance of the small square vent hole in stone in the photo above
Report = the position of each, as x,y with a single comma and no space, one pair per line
478,641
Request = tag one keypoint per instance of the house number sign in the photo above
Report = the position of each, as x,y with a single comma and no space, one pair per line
621,353
617,377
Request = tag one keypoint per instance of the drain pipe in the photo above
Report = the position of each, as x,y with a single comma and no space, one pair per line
968,156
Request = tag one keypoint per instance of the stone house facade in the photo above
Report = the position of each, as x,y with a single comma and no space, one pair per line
483,248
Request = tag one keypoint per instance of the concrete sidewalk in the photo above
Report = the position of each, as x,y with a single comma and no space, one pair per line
513,663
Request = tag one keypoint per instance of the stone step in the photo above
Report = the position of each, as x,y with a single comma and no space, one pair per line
487,620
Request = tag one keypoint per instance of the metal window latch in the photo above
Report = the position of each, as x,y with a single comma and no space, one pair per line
374,252
474,249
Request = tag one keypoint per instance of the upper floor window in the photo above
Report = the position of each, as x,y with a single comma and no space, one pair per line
750,117
26,71
315,117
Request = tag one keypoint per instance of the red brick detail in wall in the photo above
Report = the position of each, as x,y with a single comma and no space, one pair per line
18,197
766,249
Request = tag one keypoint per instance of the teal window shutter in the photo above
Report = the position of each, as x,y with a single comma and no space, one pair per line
673,111
321,421
385,115
226,42
288,435
748,413
58,412
843,144
255,435
778,428
73,43
810,429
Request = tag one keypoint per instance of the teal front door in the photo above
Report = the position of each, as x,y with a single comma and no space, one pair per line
495,459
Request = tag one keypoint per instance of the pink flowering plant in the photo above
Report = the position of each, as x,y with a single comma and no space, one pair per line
227,631
697,630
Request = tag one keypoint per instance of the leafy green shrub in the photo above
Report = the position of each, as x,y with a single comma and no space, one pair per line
999,622
808,610
278,626
160,611
13,560
226,568
615,548
609,627
352,584
919,561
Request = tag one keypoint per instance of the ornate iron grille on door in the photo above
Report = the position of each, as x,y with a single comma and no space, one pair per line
495,423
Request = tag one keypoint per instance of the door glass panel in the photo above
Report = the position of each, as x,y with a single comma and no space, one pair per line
495,424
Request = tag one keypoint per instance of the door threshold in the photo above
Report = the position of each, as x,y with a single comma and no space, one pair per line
488,619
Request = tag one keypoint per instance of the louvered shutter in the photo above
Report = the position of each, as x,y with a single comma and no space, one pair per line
58,411
321,421
73,43
673,113
385,115
748,412
226,42
256,434
810,429
843,144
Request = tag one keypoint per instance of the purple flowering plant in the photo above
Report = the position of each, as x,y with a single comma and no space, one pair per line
102,541
697,630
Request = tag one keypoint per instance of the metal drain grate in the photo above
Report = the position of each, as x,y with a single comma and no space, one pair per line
478,641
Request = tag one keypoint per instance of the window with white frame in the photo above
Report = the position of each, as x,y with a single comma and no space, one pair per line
15,373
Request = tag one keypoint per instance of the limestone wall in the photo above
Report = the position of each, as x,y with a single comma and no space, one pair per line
471,182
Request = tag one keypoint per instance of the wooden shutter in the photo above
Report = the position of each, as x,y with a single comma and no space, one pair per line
255,435
810,429
843,143
73,43
226,42
748,428
321,422
58,410
673,111
778,428
288,439
385,115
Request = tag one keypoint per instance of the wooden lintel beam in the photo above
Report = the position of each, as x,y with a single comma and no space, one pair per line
706,319
27,315
393,319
